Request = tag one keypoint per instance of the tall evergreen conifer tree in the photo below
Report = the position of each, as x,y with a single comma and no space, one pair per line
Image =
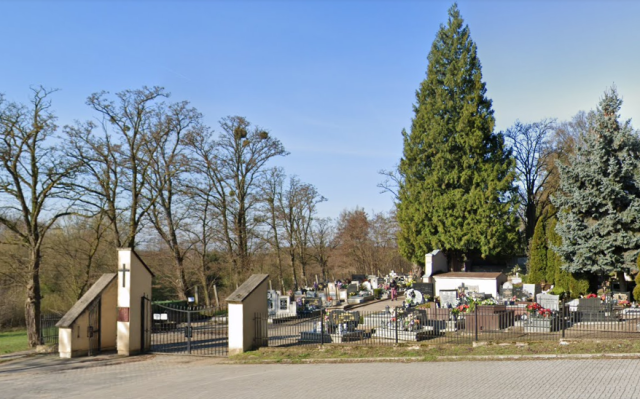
456,190
599,198
537,267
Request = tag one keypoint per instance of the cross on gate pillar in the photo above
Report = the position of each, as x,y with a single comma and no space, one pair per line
134,282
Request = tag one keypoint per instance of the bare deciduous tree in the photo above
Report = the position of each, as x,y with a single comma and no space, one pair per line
167,194
231,166
116,163
33,172
323,242
530,147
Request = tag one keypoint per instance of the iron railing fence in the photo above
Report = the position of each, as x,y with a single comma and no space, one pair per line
188,330
445,326
48,329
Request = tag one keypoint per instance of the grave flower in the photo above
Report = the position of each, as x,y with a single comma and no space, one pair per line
545,312
533,308
589,296
624,304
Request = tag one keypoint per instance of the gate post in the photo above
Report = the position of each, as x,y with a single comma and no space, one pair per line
188,331
134,281
250,298
322,326
396,324
476,312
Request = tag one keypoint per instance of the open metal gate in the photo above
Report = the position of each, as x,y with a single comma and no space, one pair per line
93,330
201,331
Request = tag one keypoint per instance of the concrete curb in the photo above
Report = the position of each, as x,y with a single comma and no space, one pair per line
444,358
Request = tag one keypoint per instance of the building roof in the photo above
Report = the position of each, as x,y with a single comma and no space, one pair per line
87,299
468,275
247,288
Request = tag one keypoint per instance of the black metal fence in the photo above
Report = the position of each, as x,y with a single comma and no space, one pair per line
48,329
188,330
439,325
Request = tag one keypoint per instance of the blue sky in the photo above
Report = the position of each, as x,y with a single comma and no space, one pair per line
333,80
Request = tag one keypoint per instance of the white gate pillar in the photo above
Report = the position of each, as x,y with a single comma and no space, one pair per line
249,300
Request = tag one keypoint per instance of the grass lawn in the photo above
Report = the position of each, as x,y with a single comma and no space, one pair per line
13,341
426,352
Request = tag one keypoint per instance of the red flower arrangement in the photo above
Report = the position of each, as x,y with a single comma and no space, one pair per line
624,304
591,296
545,312
534,308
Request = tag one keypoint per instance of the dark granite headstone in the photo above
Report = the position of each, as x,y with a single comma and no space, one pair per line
352,288
358,277
424,288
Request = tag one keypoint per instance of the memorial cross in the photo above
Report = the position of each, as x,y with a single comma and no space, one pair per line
123,270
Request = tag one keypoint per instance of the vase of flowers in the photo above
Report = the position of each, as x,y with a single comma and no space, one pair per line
541,319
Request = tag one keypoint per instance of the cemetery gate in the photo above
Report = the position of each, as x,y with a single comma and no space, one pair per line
184,330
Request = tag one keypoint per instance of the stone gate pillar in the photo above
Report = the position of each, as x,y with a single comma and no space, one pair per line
134,282
249,300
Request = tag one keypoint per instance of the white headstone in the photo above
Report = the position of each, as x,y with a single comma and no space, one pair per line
548,301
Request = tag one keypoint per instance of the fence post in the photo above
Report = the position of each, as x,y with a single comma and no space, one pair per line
322,327
188,332
564,313
396,324
476,315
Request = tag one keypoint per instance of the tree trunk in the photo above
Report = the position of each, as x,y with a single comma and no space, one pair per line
293,272
181,283
32,304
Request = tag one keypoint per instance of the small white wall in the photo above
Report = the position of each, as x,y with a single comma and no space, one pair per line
236,328
435,262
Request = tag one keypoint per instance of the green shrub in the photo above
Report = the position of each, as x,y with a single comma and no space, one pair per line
636,291
557,290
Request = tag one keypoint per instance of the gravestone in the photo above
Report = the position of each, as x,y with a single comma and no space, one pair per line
367,286
593,310
477,295
272,302
473,288
448,298
507,290
621,296
352,289
548,301
517,292
426,289
358,277
531,290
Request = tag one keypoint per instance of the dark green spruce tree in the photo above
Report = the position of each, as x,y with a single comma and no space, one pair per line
456,190
599,198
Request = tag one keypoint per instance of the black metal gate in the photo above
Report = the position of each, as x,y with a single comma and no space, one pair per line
145,330
93,330
188,330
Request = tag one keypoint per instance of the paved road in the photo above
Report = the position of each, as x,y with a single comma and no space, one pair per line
194,378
